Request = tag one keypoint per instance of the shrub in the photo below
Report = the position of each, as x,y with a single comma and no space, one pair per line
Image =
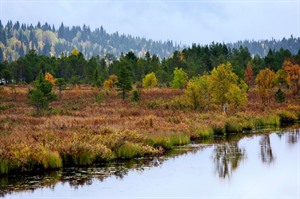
150,80
99,98
135,96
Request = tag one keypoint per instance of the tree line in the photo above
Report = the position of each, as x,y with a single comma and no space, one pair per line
76,69
18,39
213,74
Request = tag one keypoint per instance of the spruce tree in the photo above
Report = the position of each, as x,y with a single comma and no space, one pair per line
124,82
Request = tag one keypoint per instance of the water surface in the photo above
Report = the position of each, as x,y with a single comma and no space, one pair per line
255,166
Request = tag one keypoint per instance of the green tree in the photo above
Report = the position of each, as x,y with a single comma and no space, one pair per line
41,95
61,84
97,78
124,83
222,80
236,96
150,80
38,100
197,92
135,97
180,78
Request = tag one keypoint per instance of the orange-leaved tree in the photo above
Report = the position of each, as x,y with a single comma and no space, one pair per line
266,81
293,75
110,82
50,78
249,79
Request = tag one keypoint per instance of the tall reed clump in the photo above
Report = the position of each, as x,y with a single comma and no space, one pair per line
236,124
268,120
169,141
84,149
40,156
203,132
5,167
130,150
287,117
24,157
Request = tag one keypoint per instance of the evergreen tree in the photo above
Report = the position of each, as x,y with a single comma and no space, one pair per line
124,83
97,78
41,95
1,55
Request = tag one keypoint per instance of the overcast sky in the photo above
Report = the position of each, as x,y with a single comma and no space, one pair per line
191,21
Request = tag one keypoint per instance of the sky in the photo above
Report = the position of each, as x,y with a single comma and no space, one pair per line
185,22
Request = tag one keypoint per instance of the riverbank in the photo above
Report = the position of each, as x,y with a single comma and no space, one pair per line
81,130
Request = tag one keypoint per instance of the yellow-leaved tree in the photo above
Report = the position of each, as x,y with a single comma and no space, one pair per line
110,82
75,52
197,92
225,87
266,80
150,80
293,75
50,78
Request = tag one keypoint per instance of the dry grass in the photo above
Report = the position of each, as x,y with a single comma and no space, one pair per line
80,131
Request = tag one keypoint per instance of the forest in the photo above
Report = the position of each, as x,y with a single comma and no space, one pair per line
196,60
18,39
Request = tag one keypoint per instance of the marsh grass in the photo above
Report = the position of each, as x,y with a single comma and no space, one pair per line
268,120
204,132
130,150
4,167
170,141
287,117
52,160
80,132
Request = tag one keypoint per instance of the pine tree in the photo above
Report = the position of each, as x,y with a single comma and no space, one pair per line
1,55
124,82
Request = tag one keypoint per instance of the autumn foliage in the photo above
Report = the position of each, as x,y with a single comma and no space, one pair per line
249,78
266,81
293,75
110,82
50,78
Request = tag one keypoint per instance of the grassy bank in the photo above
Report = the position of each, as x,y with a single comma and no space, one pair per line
79,130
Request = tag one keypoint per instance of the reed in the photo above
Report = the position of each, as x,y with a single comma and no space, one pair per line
168,142
129,150
52,160
287,117
204,132
269,120
4,167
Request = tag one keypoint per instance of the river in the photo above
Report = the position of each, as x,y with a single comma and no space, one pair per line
264,165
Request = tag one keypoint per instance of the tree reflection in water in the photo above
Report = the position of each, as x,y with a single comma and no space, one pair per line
293,136
266,153
227,158
77,177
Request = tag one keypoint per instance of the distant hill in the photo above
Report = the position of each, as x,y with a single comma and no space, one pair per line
262,47
17,39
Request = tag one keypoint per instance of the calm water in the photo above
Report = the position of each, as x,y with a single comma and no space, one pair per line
256,166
